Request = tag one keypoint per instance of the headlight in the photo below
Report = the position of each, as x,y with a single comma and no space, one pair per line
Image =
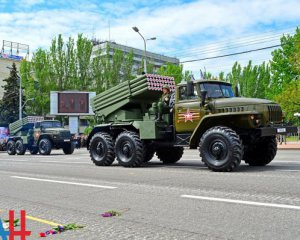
256,119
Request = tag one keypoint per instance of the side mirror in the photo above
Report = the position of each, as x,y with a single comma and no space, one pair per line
190,89
203,97
236,91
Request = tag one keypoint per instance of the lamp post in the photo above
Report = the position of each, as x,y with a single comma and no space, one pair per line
28,100
145,46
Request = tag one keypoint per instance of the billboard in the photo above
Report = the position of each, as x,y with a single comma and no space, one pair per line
71,103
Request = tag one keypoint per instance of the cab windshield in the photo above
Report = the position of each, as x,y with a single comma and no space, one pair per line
217,90
51,124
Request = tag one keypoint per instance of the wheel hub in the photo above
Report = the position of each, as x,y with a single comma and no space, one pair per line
126,149
100,149
217,149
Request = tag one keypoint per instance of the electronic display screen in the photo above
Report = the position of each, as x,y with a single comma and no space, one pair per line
73,103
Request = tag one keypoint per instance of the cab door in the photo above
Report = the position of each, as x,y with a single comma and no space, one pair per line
187,110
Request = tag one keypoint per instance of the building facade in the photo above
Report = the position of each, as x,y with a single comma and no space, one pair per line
157,60
4,71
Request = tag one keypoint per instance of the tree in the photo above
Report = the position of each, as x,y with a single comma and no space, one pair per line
289,100
285,63
253,80
9,105
71,65
175,71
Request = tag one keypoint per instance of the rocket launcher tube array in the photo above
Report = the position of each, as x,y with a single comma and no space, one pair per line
146,87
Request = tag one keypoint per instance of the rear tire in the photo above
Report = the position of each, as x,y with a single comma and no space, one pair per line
68,148
11,147
102,149
169,155
45,146
262,152
221,149
129,149
148,152
20,148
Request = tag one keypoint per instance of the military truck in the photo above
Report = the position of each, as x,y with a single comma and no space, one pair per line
203,114
38,136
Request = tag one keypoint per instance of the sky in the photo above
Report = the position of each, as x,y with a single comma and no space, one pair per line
184,29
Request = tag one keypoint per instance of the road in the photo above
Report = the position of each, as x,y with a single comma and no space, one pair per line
181,201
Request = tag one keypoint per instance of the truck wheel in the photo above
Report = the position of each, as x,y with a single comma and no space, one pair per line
20,148
68,148
129,149
169,154
34,151
102,149
221,149
45,146
148,152
262,152
11,147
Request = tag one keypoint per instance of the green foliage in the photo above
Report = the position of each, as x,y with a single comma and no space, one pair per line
252,79
175,71
70,66
285,63
289,100
9,105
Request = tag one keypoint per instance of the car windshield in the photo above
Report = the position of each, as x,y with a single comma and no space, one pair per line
51,124
217,90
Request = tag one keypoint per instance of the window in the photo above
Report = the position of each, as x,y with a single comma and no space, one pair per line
217,90
183,93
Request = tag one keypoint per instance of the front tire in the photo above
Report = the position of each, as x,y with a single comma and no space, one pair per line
20,148
221,149
129,149
169,155
11,147
45,146
68,148
262,152
102,149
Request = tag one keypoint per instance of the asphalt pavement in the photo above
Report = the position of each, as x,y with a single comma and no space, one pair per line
180,201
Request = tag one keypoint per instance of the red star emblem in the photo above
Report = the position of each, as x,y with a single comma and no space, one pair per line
188,116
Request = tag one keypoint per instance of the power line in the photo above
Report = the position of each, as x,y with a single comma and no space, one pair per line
247,38
232,54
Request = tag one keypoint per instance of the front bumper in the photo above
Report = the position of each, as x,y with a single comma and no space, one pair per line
277,129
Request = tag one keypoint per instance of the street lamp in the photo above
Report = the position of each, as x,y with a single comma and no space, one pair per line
20,91
145,46
28,100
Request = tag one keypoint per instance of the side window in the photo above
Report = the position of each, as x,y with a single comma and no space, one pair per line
183,93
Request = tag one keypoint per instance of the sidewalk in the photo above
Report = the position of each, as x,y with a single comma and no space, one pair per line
289,146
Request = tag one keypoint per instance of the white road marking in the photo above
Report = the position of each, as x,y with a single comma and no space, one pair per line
287,170
275,205
64,182
14,160
286,162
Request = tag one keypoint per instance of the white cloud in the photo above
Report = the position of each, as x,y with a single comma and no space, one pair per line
177,26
